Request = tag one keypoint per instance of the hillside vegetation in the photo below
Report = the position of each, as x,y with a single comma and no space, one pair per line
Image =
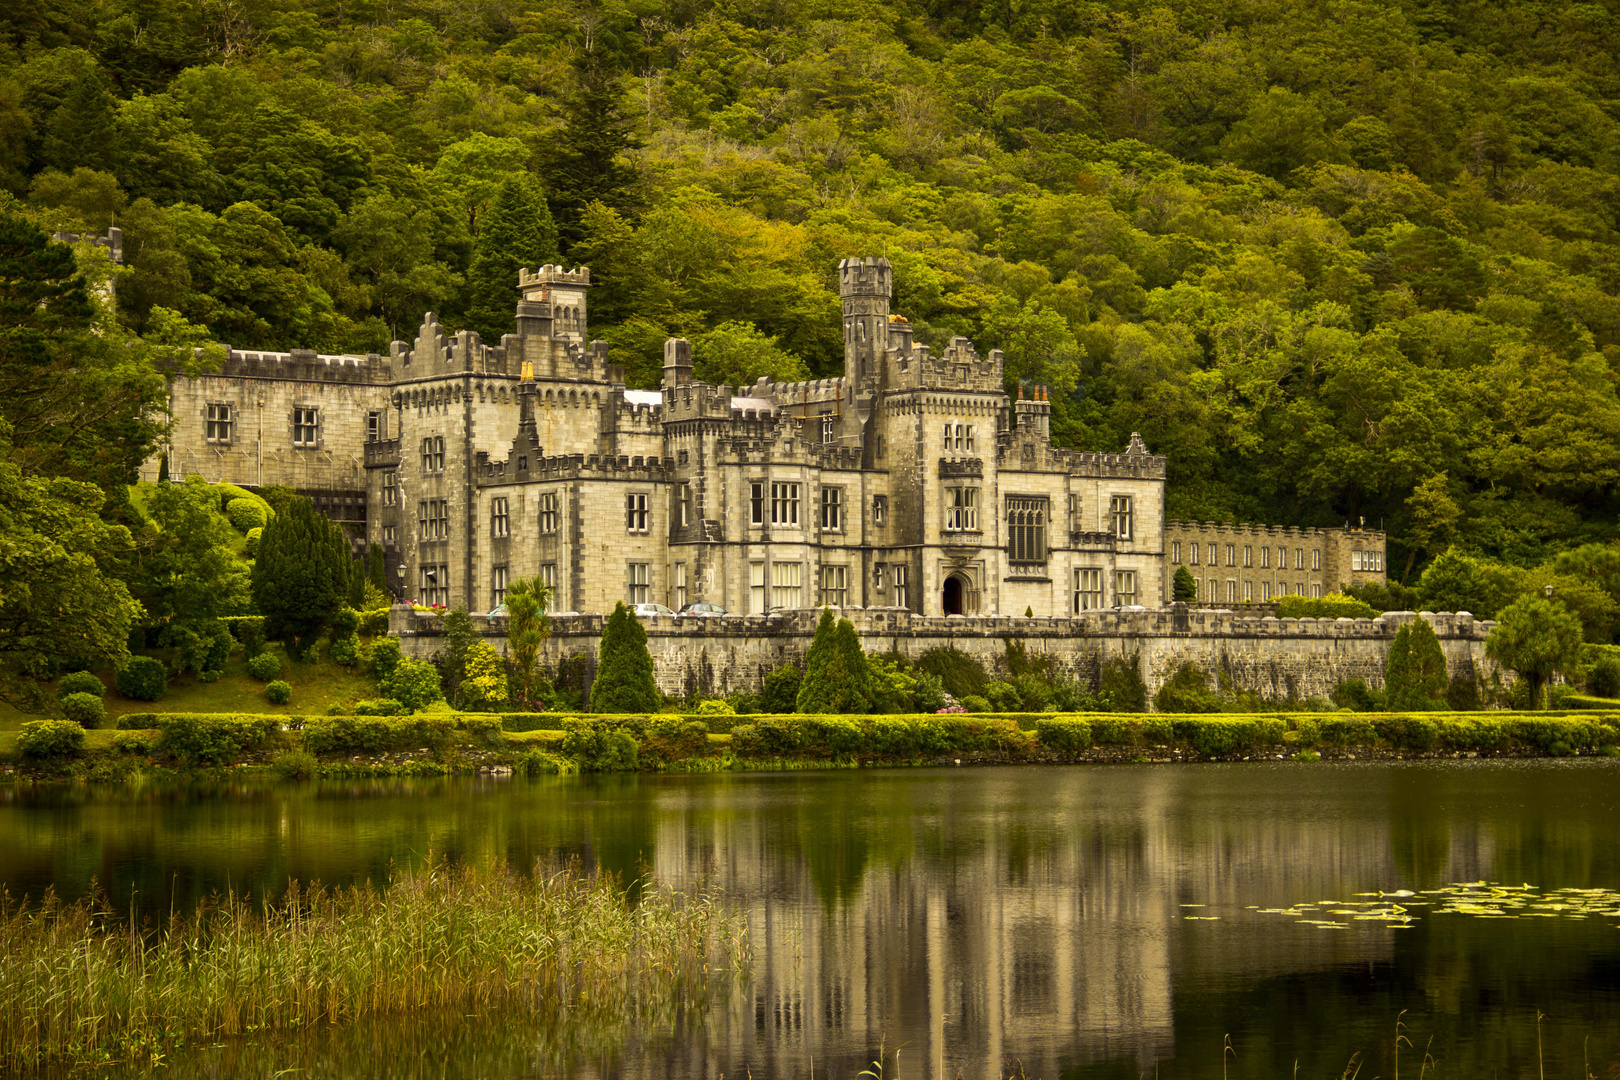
1337,260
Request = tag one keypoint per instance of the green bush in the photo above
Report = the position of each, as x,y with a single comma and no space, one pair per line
45,739
973,703
1345,730
837,736
781,692
1603,677
673,738
1121,681
344,651
265,666
1355,694
378,707
483,730
385,658
212,737
143,679
624,672
961,674
249,630
247,514
1212,737
929,693
86,710
1063,733
1003,697
296,765
80,682
413,683
541,763
279,692
598,747
1187,691
139,743
1408,732
376,734
1331,606
532,722
250,545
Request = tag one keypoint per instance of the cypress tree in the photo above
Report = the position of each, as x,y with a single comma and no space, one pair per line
1184,587
582,159
83,131
377,567
855,681
624,674
517,231
815,692
1416,677
302,575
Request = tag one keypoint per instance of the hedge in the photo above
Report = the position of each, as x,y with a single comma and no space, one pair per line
876,736
206,737
375,734
44,739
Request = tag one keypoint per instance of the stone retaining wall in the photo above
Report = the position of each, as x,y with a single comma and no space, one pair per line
1275,658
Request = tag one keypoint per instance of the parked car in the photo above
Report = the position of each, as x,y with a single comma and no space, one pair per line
651,609
703,609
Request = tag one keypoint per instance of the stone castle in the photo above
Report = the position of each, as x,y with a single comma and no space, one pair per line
913,481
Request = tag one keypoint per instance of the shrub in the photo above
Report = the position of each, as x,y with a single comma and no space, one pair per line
295,765
1063,734
385,658
541,763
279,692
1003,697
1356,695
1187,691
344,651
1121,682
247,514
1034,694
1408,732
973,703
892,688
1602,680
1331,606
250,546
86,710
375,734
624,675
961,674
1344,730
212,737
378,707
413,683
374,623
1217,738
672,738
80,682
715,707
1415,678
929,693
346,623
141,743
265,666
249,630
481,730
836,676
143,679
44,739
597,747
483,685
781,692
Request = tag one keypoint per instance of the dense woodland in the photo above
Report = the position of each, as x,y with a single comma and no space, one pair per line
1339,261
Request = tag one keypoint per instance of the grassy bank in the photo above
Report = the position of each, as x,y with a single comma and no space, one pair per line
83,986
301,747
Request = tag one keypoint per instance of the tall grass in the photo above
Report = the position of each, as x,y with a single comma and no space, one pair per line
78,983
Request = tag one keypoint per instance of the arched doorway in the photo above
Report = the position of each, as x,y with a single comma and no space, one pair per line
954,588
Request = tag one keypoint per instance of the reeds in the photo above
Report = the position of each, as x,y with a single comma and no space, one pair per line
78,983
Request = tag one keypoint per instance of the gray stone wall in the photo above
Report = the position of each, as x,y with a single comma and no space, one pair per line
1275,658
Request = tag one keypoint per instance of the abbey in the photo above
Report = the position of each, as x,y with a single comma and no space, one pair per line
912,481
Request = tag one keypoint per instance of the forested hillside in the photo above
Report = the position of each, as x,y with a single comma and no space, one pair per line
1337,260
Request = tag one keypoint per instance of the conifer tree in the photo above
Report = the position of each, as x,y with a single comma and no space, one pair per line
83,131
302,575
1416,677
1184,587
836,678
624,675
815,692
582,160
517,231
855,681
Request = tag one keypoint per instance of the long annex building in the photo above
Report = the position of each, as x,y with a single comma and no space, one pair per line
913,481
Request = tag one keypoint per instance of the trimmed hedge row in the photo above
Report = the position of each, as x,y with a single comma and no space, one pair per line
374,734
877,736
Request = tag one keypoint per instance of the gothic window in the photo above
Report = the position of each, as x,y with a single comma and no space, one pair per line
1231,554
433,453
962,509
880,510
497,586
1316,558
829,427
548,513
390,535
433,519
900,585
1026,529
548,577
1248,555
433,588
390,488
499,518
1192,553
220,423
1175,551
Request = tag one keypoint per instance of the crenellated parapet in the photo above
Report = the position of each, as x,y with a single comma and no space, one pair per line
534,469
1135,462
112,241
306,365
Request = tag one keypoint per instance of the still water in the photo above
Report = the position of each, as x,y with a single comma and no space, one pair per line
1109,922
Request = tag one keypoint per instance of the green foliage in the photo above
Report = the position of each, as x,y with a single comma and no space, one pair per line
45,739
672,738
265,666
278,692
411,682
541,763
1187,691
459,638
378,707
85,710
597,747
80,682
1228,735
249,630
516,232
483,687
143,679
624,679
1537,639
889,737
1063,733
928,693
385,658
892,688
1331,606
1415,676
961,674
1121,683
332,735
301,578
781,694
1184,587
194,738
344,651
296,765
247,514
1355,694
1602,678
527,628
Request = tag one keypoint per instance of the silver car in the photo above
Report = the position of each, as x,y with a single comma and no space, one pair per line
651,609
703,609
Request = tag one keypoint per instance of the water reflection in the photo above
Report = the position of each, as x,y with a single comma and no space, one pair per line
974,918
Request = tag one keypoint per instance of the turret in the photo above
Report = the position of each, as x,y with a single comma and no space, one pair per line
864,284
677,362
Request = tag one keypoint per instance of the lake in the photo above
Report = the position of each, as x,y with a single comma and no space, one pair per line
1107,921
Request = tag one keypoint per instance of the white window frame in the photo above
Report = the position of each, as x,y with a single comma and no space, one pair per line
548,577
784,503
220,427
683,499
639,577
1124,588
787,584
1088,589
680,586
497,586
1316,559
961,509
1175,552
1122,513
832,509
756,588
550,513
636,515
306,427
1027,517
1248,555
899,574
390,488
835,586
829,428
500,517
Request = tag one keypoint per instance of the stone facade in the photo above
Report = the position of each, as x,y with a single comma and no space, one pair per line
1275,658
1238,565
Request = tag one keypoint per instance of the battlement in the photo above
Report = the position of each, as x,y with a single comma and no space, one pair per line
834,456
1242,530
113,241
306,365
1135,462
548,274
870,276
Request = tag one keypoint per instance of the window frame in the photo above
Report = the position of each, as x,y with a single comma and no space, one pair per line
497,585
1124,588
500,517
306,419
1122,516
638,579
1027,539
787,594
1088,589
390,487
832,509
961,509
785,503
219,430
550,512
897,573
834,585
756,502
636,514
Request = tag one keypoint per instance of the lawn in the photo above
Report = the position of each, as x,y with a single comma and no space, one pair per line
314,688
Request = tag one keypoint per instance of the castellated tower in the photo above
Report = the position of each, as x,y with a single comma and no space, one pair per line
864,285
